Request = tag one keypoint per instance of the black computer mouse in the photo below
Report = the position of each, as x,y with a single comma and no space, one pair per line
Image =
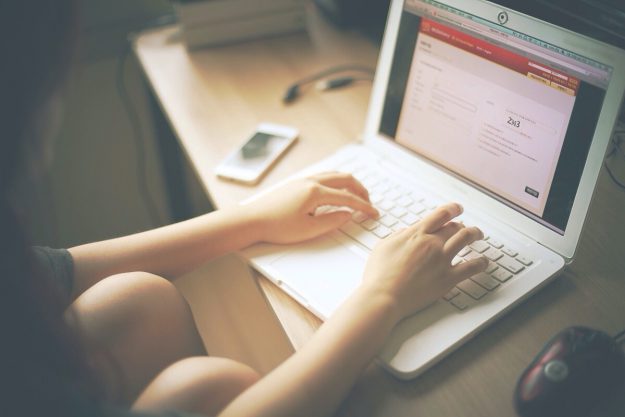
573,373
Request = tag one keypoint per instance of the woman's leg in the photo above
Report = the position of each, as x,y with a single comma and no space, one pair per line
142,323
200,385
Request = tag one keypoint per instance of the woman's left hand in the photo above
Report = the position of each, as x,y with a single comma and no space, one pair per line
290,213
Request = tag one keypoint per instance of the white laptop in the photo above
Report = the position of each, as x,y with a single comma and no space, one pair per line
478,104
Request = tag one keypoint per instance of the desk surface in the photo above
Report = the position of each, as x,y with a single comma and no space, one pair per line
213,98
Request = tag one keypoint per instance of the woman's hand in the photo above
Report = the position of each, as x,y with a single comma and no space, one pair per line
290,213
413,266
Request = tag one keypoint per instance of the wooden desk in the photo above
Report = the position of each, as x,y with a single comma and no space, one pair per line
213,98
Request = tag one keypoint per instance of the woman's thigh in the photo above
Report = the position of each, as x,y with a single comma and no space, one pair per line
199,385
142,324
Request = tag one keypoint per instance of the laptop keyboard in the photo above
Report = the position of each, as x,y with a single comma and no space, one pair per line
401,207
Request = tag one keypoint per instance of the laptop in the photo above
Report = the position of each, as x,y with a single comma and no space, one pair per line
475,103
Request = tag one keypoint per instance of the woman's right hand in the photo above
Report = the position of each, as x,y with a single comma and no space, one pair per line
413,266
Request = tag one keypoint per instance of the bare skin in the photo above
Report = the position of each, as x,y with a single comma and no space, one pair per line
405,273
142,321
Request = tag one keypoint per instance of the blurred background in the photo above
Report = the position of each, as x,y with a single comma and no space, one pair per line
106,179
96,189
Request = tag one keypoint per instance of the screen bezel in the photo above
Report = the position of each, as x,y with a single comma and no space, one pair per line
564,244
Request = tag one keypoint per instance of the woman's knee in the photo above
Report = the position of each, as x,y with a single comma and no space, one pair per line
143,322
131,298
198,384
207,370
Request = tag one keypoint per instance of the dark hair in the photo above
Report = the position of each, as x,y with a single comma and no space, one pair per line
42,363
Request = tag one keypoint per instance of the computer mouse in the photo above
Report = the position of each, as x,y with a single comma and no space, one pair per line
577,369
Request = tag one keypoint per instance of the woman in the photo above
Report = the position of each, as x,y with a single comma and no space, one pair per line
80,326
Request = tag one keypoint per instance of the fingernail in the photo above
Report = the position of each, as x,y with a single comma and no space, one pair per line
460,208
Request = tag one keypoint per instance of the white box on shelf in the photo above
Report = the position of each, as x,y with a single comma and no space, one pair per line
202,11
235,30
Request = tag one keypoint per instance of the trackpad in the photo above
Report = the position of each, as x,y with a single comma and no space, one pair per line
324,272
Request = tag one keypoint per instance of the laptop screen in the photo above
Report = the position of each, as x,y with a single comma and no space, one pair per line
509,113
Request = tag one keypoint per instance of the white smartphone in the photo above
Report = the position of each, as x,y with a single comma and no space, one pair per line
260,151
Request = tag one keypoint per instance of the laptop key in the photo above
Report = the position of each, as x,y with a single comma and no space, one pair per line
382,231
386,205
432,203
398,211
356,172
404,201
464,251
495,243
501,275
381,188
417,208
370,224
410,218
392,194
492,254
472,255
461,301
387,220
451,294
511,264
485,281
370,181
509,252
375,198
492,266
479,246
357,233
417,196
472,289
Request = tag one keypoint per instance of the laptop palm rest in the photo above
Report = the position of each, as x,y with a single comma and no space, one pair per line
324,292
338,270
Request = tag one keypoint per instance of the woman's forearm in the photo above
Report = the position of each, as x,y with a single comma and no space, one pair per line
285,215
168,251
404,274
315,379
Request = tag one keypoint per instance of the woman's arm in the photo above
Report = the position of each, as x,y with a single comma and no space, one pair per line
285,215
405,273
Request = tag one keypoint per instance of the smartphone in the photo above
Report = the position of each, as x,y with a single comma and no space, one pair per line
260,151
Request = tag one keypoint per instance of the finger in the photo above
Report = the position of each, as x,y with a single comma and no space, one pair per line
449,230
343,180
464,237
331,221
467,269
334,197
435,220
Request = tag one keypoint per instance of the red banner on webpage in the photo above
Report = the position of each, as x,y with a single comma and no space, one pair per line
534,70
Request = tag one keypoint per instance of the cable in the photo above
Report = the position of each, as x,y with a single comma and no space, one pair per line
294,90
619,335
339,82
139,138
